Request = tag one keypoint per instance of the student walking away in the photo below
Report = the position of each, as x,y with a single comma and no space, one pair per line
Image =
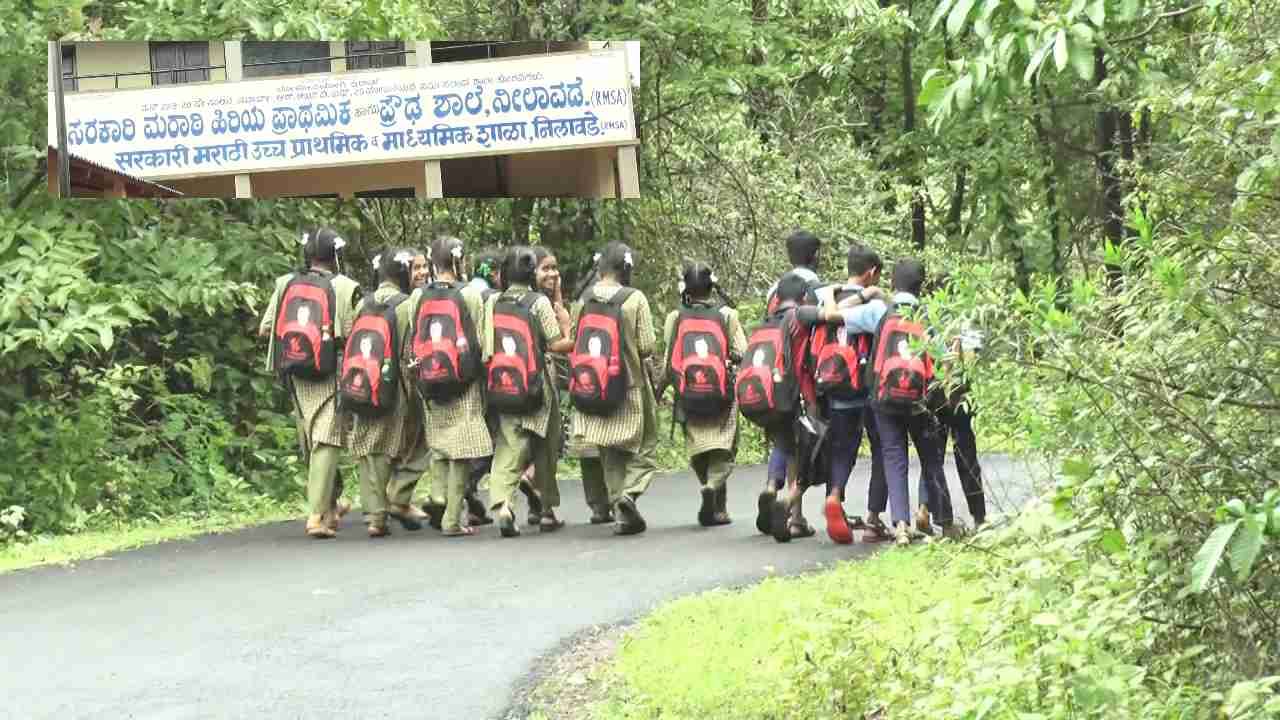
956,418
705,342
522,329
541,496
594,490
775,393
838,355
373,391
804,252
309,315
609,383
446,356
406,471
899,379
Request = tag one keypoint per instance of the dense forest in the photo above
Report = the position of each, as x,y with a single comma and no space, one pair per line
1099,179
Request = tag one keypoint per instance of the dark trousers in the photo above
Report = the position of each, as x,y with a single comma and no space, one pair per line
845,435
878,490
957,423
922,430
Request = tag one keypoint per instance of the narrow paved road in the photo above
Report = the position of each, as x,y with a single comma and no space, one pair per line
266,623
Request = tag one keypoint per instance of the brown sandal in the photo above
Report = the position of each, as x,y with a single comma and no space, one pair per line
460,531
319,529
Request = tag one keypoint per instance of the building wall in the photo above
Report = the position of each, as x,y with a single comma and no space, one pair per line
98,58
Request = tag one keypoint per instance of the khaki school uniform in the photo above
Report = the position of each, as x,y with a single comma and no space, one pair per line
532,437
628,439
712,442
314,401
457,429
375,441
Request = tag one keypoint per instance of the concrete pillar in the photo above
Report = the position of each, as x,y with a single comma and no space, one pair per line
433,183
231,51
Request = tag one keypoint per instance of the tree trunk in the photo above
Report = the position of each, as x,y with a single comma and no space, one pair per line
757,94
1050,178
521,209
915,156
1112,192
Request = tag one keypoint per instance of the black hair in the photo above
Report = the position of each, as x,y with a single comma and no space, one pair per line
861,260
446,256
792,288
486,265
541,253
398,271
518,266
699,282
320,246
802,249
618,259
908,276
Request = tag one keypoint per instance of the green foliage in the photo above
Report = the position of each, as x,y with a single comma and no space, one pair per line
1044,618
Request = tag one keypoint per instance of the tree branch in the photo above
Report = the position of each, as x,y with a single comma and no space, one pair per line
1162,16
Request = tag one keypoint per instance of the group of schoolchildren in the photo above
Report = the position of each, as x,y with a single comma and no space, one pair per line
434,375
832,362
449,372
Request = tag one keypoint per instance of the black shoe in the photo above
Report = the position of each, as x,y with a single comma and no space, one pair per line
721,516
630,521
535,502
406,522
601,515
779,515
764,510
435,514
706,513
507,523
477,513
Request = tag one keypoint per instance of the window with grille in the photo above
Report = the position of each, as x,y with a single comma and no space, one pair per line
69,81
307,57
384,59
170,60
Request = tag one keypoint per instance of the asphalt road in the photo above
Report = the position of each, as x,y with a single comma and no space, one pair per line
267,623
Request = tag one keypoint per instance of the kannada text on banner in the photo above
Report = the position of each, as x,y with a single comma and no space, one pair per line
497,107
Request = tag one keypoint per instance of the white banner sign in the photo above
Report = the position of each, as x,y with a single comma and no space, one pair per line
494,107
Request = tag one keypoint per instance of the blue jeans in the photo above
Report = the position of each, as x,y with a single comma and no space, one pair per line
922,431
845,433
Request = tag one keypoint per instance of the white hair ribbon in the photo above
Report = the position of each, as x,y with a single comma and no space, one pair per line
714,280
339,243
456,251
596,259
377,260
627,259
305,237
680,287
404,257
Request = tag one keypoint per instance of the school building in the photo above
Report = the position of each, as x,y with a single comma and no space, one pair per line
425,119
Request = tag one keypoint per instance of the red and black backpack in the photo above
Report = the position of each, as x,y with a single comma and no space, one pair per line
369,382
767,388
901,371
516,370
446,351
597,364
305,327
838,357
698,361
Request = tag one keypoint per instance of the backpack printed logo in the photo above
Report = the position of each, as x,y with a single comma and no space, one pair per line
597,365
445,348
515,371
698,362
303,344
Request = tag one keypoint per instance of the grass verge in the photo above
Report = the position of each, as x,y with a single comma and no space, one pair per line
68,549
1042,619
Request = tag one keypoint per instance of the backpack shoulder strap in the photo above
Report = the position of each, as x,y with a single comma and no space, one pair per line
528,300
620,297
